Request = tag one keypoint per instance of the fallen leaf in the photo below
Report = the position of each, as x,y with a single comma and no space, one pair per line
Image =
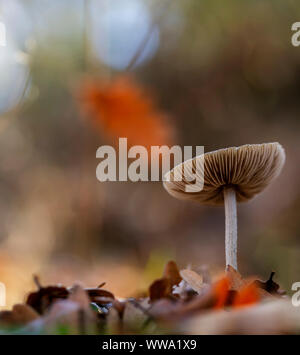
221,292
73,313
171,272
42,299
45,296
246,296
193,279
100,296
160,288
235,279
270,286
123,108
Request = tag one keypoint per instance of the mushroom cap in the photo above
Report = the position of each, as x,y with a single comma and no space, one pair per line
248,169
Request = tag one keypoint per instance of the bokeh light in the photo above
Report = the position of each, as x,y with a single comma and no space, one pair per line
14,71
119,28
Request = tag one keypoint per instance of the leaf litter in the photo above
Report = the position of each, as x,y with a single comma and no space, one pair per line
181,301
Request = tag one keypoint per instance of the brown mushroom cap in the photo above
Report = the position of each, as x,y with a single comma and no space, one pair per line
248,169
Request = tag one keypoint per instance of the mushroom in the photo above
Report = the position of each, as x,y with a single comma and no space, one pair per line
229,175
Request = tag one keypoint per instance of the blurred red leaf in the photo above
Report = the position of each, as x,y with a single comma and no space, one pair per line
227,294
247,295
122,108
221,292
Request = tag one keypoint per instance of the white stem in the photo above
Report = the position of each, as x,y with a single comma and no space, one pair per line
230,227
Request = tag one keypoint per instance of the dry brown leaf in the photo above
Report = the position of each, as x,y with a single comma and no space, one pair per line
42,299
235,278
171,272
74,313
45,296
248,295
99,293
160,288
270,286
193,279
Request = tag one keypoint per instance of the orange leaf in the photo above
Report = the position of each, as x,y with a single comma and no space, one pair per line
121,108
221,291
247,296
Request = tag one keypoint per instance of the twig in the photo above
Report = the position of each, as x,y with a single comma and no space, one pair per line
36,280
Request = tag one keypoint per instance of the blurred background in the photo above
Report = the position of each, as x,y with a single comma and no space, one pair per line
78,74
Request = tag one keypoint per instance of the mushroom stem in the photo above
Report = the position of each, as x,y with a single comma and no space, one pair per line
230,227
